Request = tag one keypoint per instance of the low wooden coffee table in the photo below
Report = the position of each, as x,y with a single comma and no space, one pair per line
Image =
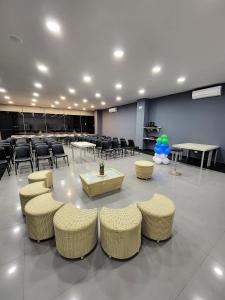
94,185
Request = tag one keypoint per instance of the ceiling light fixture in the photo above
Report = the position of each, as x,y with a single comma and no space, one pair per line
118,86
38,85
118,53
92,106
53,26
103,103
84,108
87,78
52,105
71,90
33,104
69,107
7,97
85,100
98,95
42,68
62,97
118,98
156,69
34,100
35,94
141,91
75,104
181,79
2,90
10,102
56,102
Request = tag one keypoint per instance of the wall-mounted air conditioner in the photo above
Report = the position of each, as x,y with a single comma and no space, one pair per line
113,109
209,92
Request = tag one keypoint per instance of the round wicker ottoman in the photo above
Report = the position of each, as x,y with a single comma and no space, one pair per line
76,231
157,217
144,169
120,231
39,213
45,175
30,191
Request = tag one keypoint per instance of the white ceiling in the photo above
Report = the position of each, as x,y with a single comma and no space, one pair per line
184,37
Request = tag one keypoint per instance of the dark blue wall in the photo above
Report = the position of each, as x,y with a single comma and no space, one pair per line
194,121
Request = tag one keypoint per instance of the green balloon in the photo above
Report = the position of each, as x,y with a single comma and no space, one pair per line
164,136
159,140
165,141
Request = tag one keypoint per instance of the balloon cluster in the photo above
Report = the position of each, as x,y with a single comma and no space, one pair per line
162,150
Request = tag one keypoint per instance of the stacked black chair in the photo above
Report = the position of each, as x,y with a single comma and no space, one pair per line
42,153
22,154
124,146
8,151
132,146
118,151
58,152
106,150
3,160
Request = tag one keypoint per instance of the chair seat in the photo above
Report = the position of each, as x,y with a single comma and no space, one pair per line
22,159
44,157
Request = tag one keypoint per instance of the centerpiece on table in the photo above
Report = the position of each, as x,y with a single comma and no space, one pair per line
101,169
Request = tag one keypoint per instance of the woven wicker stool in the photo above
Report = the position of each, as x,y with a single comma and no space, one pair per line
144,169
39,213
30,191
120,231
76,231
45,175
157,217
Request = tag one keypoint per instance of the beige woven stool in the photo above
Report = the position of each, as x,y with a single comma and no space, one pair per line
30,191
45,175
76,231
120,231
144,169
39,213
157,217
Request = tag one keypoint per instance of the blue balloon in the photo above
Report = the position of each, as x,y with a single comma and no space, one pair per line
159,150
164,146
167,151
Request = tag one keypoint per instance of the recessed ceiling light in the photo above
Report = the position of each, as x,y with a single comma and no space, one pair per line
118,98
53,26
10,102
42,68
35,94
118,53
118,86
2,90
92,106
71,90
33,104
34,100
181,79
141,91
85,100
75,104
98,95
7,97
62,97
56,102
84,108
38,85
52,105
156,69
69,107
103,103
87,78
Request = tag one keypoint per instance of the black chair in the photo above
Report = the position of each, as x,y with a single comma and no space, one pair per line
22,154
132,146
3,160
106,150
124,146
42,153
58,152
8,151
116,147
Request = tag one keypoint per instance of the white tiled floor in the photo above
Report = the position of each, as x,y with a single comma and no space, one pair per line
190,266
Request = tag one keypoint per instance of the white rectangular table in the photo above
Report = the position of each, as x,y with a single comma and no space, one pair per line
201,148
83,147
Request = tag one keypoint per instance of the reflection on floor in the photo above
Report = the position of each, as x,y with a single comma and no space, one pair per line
190,266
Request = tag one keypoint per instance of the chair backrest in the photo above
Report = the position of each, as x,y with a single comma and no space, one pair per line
123,143
98,143
8,149
131,143
57,149
2,154
105,145
21,141
115,144
42,150
22,152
